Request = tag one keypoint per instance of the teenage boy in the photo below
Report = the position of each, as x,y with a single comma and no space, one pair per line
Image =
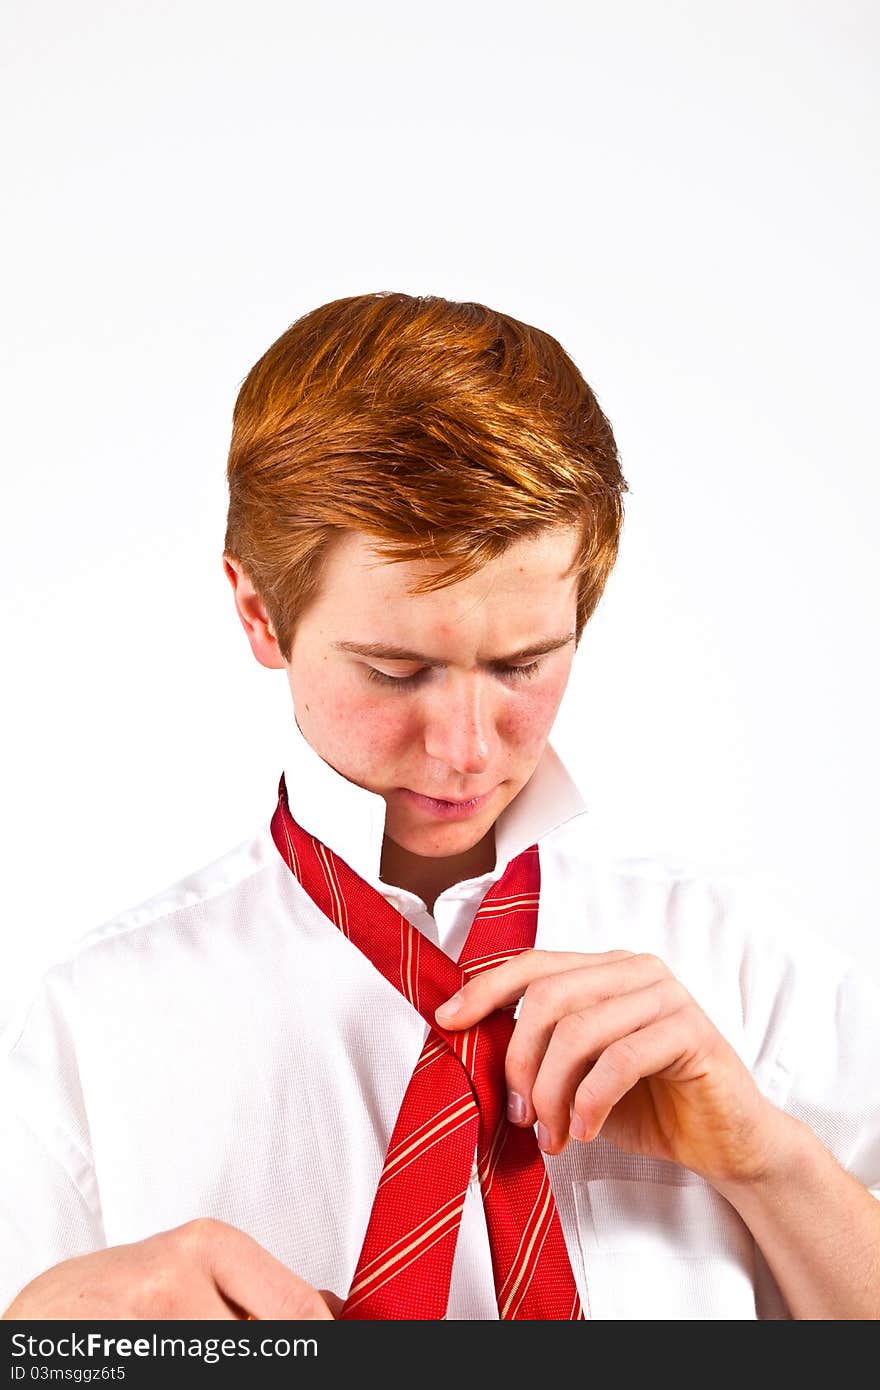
641,1098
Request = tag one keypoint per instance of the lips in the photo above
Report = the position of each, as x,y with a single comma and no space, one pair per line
452,800
445,809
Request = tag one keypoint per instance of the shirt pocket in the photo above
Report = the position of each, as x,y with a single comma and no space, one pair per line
655,1250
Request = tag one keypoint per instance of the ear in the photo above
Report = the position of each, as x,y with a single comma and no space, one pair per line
253,616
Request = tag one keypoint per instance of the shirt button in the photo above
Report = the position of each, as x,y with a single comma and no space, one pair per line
475,1177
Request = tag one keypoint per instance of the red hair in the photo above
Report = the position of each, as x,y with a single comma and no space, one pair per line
444,430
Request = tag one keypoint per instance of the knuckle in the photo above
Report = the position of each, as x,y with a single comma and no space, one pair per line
539,993
196,1233
195,1238
159,1293
652,964
573,1030
695,1015
536,961
622,1058
674,993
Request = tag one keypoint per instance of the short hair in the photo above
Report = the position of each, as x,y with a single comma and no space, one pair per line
444,430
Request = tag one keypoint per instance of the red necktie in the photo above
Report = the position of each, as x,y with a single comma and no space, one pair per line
453,1106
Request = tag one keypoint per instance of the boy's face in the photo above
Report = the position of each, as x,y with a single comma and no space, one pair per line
474,724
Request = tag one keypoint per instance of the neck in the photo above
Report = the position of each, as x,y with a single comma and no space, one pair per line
428,878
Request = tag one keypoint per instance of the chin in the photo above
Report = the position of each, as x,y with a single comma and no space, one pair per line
441,840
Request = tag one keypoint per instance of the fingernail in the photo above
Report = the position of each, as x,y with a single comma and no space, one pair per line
451,1007
516,1108
543,1136
577,1129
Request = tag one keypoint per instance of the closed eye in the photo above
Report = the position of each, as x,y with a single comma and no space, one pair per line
514,673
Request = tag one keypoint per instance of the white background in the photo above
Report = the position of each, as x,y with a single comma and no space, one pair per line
684,194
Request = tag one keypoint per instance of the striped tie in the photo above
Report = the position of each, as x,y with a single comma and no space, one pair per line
452,1109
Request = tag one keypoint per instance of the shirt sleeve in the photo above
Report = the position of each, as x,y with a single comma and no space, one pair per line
810,1021
829,1069
816,1014
49,1206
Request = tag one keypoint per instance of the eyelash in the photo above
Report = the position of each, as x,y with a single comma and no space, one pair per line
407,682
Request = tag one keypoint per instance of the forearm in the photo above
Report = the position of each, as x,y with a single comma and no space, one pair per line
817,1226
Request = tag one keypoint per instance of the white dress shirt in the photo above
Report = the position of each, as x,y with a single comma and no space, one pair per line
223,1050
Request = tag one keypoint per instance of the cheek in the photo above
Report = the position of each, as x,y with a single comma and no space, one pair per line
526,721
384,724
364,726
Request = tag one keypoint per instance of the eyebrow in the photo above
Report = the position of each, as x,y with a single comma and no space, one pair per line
382,652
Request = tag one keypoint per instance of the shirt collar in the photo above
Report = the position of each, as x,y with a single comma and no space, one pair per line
350,819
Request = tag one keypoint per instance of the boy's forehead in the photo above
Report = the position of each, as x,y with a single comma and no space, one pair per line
356,558
522,604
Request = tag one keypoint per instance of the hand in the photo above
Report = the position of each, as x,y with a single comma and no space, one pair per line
203,1269
613,1043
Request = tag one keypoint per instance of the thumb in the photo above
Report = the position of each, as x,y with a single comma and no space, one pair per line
333,1301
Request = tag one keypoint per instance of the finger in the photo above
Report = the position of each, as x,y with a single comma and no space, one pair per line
579,1039
196,1301
545,1005
503,984
333,1301
248,1275
234,1310
648,1052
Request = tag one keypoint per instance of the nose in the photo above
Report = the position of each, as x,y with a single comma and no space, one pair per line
458,725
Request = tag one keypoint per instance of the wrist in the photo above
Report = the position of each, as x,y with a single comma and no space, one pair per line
785,1155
